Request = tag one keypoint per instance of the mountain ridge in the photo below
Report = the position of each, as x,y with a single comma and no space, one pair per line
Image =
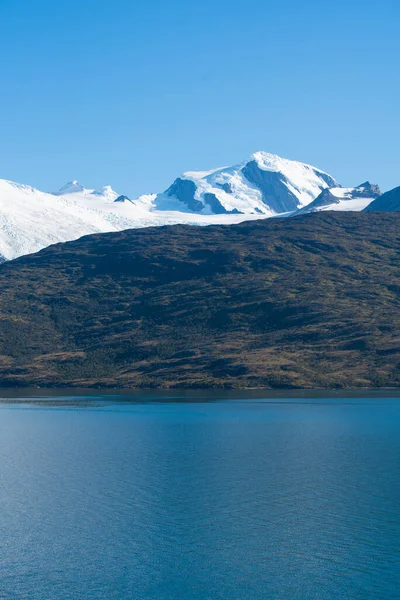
339,198
264,185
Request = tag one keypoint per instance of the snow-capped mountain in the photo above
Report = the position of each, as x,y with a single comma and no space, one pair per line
388,202
265,184
338,198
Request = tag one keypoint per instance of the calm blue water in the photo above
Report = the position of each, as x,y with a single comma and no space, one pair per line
246,500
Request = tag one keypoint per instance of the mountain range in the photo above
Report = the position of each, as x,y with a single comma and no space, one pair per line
264,185
308,302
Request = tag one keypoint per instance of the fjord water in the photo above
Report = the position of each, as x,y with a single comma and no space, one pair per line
117,499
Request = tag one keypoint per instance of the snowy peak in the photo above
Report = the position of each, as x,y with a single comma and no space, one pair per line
106,192
292,169
339,198
76,189
264,184
285,184
72,187
369,189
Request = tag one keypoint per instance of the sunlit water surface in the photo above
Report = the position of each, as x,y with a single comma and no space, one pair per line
247,499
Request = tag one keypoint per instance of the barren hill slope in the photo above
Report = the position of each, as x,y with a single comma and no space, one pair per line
313,301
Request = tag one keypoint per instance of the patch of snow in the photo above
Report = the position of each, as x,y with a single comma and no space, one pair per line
341,192
355,204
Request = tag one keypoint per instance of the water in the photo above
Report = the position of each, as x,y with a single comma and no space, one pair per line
237,500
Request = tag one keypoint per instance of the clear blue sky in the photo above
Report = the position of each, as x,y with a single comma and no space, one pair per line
133,92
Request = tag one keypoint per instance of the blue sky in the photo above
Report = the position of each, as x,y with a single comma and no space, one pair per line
133,92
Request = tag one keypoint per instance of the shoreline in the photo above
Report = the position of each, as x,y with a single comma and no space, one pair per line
58,395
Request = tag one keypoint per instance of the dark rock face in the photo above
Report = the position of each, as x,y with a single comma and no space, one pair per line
388,202
184,190
226,187
216,206
306,302
123,199
275,193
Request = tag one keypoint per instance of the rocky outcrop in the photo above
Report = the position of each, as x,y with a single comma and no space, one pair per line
275,193
184,190
218,208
